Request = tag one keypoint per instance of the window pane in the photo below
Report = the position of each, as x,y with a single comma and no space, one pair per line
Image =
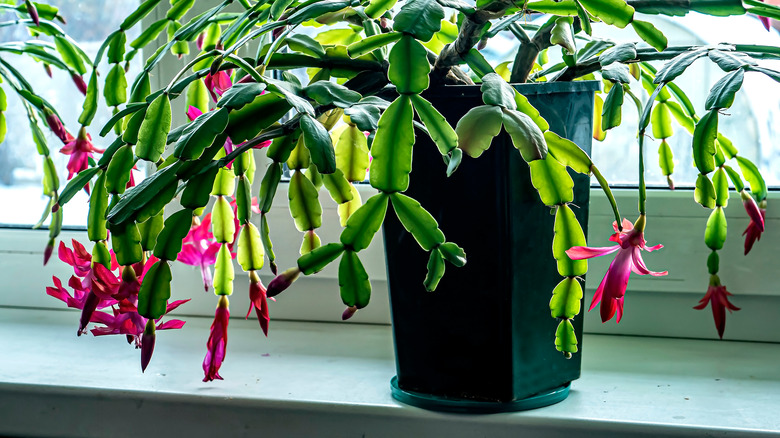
21,168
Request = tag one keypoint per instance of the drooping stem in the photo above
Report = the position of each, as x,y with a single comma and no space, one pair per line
607,191
642,187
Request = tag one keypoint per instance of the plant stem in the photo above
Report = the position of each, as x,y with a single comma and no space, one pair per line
187,67
527,53
607,191
642,187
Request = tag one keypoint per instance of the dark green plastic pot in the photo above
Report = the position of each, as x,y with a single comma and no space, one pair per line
484,340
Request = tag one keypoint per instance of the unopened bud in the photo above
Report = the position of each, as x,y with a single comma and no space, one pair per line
282,282
752,209
670,182
33,12
80,84
147,344
348,312
47,251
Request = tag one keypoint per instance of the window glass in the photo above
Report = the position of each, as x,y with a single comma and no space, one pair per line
21,168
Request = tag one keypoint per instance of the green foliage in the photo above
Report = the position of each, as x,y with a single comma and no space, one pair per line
439,129
477,128
317,259
417,221
526,136
223,272
169,241
353,281
154,129
568,234
565,338
364,223
250,248
565,302
392,148
155,291
704,142
304,203
552,181
420,18
222,224
716,231
436,269
723,92
200,134
409,66
98,203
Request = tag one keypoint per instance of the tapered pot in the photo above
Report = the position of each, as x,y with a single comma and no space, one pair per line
484,340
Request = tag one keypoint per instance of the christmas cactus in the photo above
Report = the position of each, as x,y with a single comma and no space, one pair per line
336,127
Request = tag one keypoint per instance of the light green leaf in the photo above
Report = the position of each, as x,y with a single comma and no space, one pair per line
661,120
563,35
568,234
420,18
392,148
717,229
565,302
565,338
223,272
567,153
250,248
704,193
650,34
339,188
436,269
305,206
477,128
704,136
614,12
115,90
495,91
665,158
417,221
438,128
409,67
552,181
89,109
317,141
352,153
364,223
753,176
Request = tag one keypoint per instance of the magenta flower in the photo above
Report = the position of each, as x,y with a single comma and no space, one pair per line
217,343
349,312
717,297
97,287
612,289
258,301
80,150
200,249
756,226
218,83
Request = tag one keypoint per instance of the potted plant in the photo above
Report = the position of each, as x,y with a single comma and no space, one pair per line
344,122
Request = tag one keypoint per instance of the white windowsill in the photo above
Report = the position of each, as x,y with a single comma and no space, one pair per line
332,380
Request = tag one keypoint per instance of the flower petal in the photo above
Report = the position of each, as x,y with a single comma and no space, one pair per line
587,252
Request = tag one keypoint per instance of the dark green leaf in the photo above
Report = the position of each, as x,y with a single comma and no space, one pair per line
98,203
495,91
317,259
722,93
611,115
318,142
147,198
721,183
678,65
305,44
453,254
77,183
115,90
563,35
417,221
174,230
261,113
392,148
353,281
364,116
364,223
730,61
438,128
139,13
435,272
153,132
704,142
89,109
421,18
650,34
200,134
240,94
316,9
619,53
526,136
149,231
119,168
198,190
126,243
616,73
477,128
149,34
735,179
155,291
368,45
327,93
409,65
614,12
269,185
116,47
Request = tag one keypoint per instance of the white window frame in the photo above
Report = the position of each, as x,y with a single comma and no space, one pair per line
653,307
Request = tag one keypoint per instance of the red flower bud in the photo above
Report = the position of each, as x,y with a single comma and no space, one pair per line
282,282
33,12
348,312
80,84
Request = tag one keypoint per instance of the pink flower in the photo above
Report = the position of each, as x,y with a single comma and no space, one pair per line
218,83
258,301
200,249
215,347
717,297
756,225
199,41
80,84
80,150
349,312
612,289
